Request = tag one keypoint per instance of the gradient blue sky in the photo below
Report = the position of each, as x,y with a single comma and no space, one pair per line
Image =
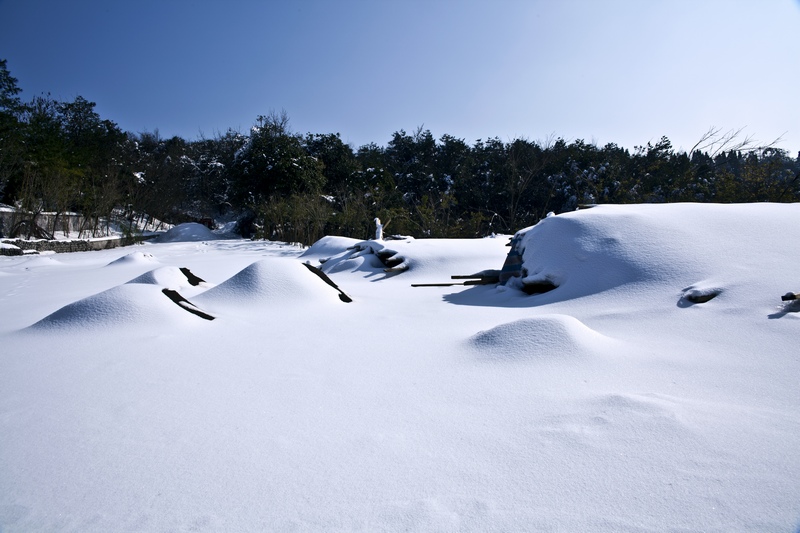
626,72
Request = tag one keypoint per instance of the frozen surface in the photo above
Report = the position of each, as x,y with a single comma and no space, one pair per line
657,388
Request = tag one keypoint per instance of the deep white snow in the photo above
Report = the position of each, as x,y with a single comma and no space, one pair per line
613,403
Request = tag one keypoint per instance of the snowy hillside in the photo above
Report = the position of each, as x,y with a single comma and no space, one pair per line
656,387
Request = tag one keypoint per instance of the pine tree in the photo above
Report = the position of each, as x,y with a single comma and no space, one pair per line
10,129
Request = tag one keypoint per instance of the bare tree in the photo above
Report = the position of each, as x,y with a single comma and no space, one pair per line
715,141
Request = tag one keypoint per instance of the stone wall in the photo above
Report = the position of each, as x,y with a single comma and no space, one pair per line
9,249
69,245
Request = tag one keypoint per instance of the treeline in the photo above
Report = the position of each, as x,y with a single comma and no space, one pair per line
63,157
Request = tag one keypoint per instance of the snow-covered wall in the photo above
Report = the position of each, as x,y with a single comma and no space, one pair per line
70,245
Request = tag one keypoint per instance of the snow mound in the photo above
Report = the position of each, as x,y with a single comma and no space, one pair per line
124,305
363,256
543,337
134,258
271,281
591,251
170,277
329,246
362,263
39,261
425,260
700,293
189,232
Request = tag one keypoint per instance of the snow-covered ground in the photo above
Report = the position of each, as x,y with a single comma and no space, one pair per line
613,403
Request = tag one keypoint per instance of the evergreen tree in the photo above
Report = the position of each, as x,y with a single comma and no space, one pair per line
11,147
274,162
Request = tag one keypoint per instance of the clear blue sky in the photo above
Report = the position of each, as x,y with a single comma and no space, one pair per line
604,71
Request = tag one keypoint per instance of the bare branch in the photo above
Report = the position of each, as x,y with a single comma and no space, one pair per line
714,142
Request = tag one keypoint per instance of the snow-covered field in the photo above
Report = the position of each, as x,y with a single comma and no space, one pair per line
613,403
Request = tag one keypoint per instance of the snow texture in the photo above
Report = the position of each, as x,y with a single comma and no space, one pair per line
654,389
